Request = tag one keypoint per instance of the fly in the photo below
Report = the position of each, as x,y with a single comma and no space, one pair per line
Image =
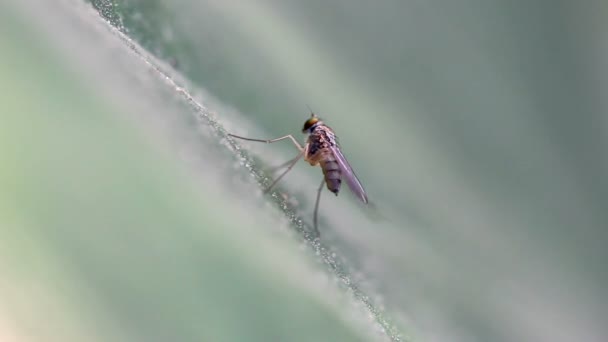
321,149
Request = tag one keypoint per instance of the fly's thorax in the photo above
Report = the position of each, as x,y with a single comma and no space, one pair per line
321,138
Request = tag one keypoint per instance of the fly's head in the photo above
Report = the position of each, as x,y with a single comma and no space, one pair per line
311,124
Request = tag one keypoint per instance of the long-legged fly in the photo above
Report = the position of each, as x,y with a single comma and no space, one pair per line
321,149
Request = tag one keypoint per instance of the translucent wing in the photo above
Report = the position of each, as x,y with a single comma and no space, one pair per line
349,175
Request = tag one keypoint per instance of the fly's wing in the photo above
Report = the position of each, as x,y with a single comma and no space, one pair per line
349,175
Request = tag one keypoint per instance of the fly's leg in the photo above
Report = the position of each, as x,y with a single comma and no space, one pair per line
270,141
285,164
316,214
292,163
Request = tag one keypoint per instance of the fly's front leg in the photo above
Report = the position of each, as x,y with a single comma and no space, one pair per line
270,141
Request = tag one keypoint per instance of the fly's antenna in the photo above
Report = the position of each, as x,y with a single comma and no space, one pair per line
312,114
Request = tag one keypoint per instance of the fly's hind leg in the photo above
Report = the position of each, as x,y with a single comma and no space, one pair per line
316,214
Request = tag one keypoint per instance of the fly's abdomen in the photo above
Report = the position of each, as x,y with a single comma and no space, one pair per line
331,171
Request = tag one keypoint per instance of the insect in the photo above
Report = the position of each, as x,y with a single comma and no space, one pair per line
321,149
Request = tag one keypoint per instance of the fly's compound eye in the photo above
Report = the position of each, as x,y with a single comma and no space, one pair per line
309,123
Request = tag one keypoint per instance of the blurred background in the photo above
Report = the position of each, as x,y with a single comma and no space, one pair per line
477,127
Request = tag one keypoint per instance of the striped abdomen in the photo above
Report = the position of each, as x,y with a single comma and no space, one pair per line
331,171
